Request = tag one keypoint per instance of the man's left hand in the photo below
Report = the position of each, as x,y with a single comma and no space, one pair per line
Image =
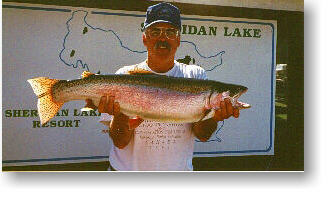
226,110
204,129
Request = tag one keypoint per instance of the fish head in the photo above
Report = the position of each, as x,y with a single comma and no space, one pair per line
231,92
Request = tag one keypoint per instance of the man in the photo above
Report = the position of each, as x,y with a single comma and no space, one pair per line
146,145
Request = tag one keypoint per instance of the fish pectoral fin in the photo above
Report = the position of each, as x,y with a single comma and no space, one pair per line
86,74
87,109
89,106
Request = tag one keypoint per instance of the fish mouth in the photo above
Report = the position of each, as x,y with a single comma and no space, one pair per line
239,104
237,96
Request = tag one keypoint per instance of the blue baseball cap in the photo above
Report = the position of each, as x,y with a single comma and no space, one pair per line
162,13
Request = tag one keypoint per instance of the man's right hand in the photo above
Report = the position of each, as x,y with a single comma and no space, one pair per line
108,105
121,127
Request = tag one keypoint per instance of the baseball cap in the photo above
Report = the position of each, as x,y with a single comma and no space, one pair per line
162,13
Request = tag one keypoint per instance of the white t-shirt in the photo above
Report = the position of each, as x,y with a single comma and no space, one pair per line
157,146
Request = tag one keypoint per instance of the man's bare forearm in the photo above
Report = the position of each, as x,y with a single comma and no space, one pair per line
204,129
120,132
121,138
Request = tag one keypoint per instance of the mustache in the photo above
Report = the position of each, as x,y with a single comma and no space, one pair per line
162,44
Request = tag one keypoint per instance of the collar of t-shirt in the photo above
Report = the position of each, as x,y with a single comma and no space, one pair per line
171,72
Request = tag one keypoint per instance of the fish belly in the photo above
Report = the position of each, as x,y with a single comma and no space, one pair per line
161,105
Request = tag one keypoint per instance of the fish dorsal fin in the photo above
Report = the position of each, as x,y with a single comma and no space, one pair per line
140,71
86,74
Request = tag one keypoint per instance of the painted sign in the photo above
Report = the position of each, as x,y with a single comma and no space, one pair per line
62,42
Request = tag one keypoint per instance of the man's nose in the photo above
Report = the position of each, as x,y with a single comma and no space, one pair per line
163,35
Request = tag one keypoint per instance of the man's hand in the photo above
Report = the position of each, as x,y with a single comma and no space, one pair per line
108,105
121,127
203,130
226,110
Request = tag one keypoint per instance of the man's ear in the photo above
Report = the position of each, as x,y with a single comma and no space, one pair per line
179,40
144,39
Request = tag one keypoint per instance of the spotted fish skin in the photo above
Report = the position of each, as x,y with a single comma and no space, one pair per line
152,97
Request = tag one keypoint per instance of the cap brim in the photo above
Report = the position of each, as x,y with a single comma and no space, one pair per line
159,21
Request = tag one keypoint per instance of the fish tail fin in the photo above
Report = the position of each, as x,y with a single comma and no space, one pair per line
47,107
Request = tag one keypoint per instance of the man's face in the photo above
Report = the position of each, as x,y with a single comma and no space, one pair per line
161,40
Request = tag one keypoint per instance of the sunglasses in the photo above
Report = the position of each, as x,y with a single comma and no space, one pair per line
155,32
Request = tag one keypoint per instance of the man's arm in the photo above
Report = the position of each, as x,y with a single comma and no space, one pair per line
204,129
121,128
120,139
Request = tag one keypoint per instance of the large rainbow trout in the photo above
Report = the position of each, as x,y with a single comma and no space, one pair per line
150,97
